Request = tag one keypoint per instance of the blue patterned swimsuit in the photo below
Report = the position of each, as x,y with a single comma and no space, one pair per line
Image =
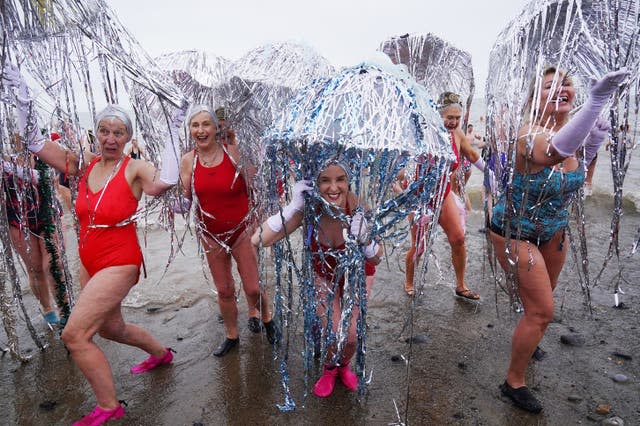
540,204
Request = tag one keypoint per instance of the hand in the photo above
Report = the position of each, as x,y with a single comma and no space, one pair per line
14,80
359,228
297,194
595,139
181,205
602,89
371,250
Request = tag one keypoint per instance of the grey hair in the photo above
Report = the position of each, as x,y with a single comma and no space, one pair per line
117,112
197,109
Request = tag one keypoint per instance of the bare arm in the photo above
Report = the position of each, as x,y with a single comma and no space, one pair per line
150,178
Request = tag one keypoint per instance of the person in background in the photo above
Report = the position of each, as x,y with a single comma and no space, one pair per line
135,151
27,208
452,213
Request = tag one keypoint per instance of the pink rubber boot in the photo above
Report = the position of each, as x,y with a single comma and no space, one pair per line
152,362
325,384
348,378
100,416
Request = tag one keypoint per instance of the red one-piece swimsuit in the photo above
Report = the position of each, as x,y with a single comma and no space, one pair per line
224,200
106,238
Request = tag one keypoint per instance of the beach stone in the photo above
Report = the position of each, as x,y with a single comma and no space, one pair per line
573,339
620,378
574,398
48,405
418,338
613,421
603,409
396,358
622,355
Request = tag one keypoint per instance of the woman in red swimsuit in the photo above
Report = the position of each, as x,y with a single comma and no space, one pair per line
109,189
450,218
333,186
222,210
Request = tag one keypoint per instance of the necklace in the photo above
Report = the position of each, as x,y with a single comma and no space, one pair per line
211,161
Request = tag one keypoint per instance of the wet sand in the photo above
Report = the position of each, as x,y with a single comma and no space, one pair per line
455,364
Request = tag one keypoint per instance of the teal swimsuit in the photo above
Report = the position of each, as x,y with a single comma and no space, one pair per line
540,204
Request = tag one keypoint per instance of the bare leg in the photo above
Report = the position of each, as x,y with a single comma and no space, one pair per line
450,222
220,267
245,255
34,259
101,296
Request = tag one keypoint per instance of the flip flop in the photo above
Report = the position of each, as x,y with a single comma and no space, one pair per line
467,294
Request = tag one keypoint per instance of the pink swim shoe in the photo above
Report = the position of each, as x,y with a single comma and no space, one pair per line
325,384
100,416
152,362
348,378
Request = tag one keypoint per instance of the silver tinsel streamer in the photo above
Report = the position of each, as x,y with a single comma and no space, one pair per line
584,39
375,120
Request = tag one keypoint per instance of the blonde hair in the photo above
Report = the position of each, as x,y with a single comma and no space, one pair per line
528,108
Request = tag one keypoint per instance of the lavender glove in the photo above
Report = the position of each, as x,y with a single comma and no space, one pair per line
276,222
597,136
170,158
181,205
26,118
359,228
572,134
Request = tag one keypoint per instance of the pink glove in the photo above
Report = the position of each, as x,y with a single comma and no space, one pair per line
597,136
567,141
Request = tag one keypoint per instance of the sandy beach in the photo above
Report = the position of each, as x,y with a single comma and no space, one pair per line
457,351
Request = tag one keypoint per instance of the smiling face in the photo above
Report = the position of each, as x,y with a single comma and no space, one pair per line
203,129
451,116
333,185
112,137
556,93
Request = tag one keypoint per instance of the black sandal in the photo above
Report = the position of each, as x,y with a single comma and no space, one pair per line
226,346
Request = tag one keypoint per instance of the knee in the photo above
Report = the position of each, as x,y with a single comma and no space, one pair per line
541,317
252,292
456,239
72,337
227,293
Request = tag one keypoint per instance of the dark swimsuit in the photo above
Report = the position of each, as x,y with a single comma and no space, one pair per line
540,205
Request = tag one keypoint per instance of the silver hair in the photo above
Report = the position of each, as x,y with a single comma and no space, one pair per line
198,108
117,112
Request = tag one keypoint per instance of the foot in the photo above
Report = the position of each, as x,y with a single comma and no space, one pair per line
52,318
521,398
100,416
153,362
226,346
467,294
254,325
348,378
272,331
325,384
408,288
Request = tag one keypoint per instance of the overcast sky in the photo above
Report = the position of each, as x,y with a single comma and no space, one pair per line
344,31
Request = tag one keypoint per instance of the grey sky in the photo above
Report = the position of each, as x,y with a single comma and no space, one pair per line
344,31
